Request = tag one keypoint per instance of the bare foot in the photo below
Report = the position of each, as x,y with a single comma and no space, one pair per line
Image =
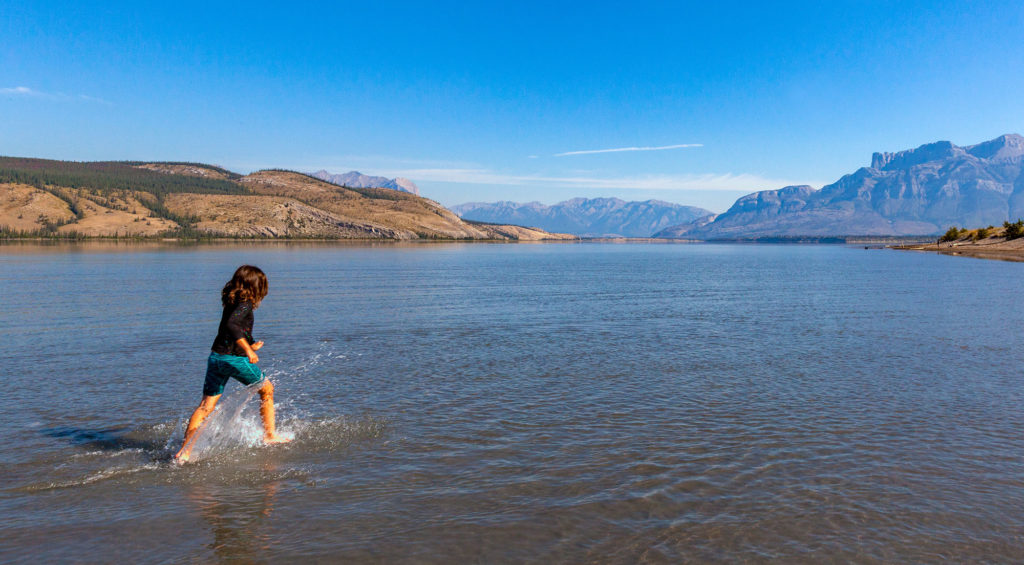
275,439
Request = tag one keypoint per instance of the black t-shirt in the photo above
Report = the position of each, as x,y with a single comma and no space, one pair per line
235,324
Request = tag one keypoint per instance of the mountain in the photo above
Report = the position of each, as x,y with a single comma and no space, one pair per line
42,198
919,191
355,179
594,217
685,231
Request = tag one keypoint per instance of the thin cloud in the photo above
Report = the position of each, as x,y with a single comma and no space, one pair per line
624,149
20,91
88,98
32,93
374,162
723,182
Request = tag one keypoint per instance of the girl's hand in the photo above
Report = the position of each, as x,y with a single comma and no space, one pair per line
249,350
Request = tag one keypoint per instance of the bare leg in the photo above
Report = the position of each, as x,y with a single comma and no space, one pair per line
206,405
267,412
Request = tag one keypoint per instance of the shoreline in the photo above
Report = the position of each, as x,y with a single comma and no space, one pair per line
1000,250
192,240
27,245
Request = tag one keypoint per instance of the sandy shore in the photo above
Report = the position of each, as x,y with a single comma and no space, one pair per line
991,248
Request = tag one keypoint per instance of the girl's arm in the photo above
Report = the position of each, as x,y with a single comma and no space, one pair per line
248,349
236,328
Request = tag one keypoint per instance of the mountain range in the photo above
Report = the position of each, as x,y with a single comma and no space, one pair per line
919,191
588,217
916,192
355,179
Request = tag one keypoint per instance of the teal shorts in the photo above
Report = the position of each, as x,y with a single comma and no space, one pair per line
220,368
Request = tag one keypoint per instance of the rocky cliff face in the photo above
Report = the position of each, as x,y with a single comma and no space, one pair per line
355,179
920,191
593,217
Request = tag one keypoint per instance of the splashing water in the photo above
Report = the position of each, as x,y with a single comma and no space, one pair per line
229,445
235,423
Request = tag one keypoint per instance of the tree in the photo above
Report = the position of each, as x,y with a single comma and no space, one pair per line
952,234
1014,230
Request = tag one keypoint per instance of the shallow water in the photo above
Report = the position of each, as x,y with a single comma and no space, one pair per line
510,403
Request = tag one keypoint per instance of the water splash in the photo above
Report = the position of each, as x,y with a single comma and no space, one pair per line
235,423
336,433
230,446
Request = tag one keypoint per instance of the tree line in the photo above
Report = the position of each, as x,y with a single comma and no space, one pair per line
110,176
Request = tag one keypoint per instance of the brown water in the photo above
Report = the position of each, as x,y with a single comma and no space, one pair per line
518,403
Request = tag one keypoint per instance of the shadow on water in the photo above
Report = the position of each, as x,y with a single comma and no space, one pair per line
110,439
225,428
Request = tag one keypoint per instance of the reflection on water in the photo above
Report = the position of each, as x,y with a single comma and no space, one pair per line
238,517
501,403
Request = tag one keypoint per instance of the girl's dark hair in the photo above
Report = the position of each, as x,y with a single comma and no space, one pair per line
248,284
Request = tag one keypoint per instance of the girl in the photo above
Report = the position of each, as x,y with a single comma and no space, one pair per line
234,355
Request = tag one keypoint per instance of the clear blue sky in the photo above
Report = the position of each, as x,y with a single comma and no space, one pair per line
481,101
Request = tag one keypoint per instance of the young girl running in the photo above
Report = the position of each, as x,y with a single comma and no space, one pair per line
233,355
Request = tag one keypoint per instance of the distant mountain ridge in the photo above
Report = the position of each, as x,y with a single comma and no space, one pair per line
355,179
588,217
919,191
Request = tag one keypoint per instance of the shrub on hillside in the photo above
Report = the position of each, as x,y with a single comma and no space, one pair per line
1013,230
982,233
952,234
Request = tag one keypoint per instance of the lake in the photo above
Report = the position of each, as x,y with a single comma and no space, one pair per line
492,403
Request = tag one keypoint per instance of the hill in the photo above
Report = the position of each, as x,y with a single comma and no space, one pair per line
138,199
593,217
984,243
919,191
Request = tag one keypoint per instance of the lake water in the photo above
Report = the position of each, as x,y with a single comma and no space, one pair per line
460,403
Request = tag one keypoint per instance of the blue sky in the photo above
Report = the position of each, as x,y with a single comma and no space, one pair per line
510,101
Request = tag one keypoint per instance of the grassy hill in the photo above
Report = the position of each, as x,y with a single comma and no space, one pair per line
45,198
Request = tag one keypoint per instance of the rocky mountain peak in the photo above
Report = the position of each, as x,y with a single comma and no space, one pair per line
916,192
905,159
355,179
406,185
1009,146
1003,147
